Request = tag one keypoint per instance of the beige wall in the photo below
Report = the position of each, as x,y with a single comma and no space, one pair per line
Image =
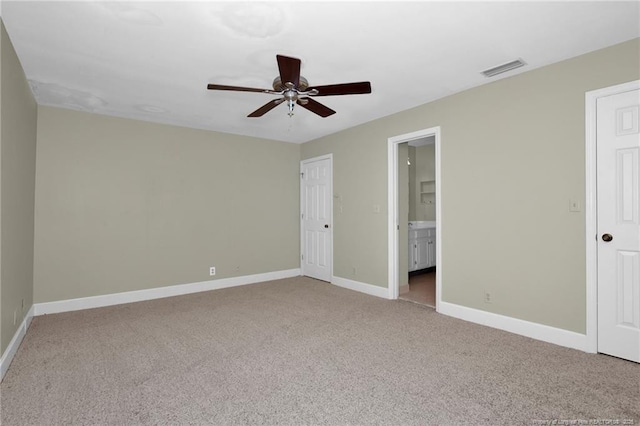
512,157
125,205
360,179
18,119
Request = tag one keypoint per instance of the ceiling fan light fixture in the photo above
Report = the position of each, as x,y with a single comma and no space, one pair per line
492,72
290,104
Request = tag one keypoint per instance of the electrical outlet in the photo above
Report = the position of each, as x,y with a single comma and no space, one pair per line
212,271
487,297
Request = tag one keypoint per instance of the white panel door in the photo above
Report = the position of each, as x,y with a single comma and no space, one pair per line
618,197
317,194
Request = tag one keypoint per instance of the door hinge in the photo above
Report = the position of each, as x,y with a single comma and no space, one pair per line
302,256
302,175
302,215
398,227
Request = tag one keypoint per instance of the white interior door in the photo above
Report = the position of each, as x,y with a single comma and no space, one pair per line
316,217
618,195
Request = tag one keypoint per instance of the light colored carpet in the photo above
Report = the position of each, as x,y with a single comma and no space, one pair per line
300,351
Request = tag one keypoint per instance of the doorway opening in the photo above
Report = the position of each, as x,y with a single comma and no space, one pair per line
415,224
421,288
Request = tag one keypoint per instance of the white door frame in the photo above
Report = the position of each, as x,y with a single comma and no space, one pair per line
393,258
302,163
591,218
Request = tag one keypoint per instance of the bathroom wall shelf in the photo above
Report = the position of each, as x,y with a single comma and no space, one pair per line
428,192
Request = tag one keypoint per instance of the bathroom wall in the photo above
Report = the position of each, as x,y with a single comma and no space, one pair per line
412,183
424,170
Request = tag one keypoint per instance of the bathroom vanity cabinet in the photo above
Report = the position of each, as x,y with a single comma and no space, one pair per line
422,248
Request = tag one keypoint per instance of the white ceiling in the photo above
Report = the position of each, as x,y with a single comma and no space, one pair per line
152,60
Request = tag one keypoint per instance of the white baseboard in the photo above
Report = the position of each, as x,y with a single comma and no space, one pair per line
14,344
533,330
157,293
404,289
372,290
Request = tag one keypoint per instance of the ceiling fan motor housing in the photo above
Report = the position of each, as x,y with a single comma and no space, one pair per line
279,86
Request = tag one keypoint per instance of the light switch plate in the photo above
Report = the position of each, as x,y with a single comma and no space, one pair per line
574,205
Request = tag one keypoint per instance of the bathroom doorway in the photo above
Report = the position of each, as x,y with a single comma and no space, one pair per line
420,178
414,213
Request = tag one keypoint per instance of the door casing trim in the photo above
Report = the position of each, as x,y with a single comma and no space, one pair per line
591,206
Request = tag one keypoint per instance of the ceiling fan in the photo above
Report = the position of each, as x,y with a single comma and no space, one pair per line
295,89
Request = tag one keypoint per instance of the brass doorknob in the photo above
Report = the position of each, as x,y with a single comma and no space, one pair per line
607,237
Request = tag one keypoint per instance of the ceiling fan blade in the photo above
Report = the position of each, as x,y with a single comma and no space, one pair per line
235,88
289,69
315,106
359,88
266,108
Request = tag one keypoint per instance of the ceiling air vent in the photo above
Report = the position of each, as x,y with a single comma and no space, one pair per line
491,72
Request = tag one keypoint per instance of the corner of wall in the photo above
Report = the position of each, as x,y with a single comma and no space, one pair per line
18,134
